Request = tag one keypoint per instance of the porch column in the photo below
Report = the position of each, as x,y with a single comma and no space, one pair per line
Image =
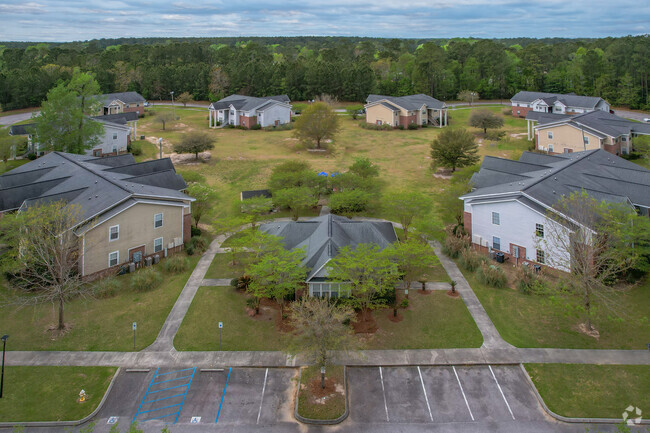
209,118
440,121
446,117
135,129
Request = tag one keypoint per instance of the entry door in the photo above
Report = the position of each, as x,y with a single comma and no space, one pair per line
136,255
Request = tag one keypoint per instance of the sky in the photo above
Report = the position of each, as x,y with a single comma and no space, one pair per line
74,20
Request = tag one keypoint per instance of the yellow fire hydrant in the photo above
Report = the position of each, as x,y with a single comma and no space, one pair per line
82,395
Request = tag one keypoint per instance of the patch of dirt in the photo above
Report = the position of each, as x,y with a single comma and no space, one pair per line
424,292
321,395
290,139
283,325
364,323
189,159
582,328
443,173
395,319
452,294
55,333
521,134
182,125
479,142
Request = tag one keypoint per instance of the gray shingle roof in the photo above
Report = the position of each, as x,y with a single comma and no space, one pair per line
410,102
247,103
546,178
600,121
95,184
569,99
120,118
25,129
126,97
324,236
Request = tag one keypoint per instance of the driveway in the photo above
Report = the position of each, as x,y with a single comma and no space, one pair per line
15,118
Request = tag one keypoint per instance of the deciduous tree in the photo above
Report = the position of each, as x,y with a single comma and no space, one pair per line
413,258
404,206
163,117
254,208
468,96
454,148
184,98
194,142
485,119
298,199
204,197
316,124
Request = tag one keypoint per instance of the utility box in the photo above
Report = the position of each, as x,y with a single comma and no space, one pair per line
156,259
131,267
148,261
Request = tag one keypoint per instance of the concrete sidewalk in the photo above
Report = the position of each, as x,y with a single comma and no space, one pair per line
150,359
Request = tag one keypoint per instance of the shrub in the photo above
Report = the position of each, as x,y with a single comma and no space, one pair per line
404,303
529,283
401,127
189,249
241,283
195,231
250,303
471,260
256,127
425,125
282,127
241,127
495,134
491,275
455,242
413,126
506,111
374,127
175,264
348,202
31,156
192,176
106,288
146,279
136,149
197,244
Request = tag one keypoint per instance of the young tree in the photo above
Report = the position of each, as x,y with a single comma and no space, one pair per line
485,119
317,123
277,275
204,198
297,199
368,271
349,202
184,98
404,206
321,327
364,168
595,242
468,96
254,208
447,200
194,142
163,117
454,148
43,257
63,124
9,145
413,258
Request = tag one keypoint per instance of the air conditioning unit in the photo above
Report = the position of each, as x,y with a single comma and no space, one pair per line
178,242
170,245
476,239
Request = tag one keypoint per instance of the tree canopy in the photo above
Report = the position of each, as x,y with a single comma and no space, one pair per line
194,142
485,119
317,123
454,148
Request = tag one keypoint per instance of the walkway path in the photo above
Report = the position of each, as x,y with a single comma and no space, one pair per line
491,337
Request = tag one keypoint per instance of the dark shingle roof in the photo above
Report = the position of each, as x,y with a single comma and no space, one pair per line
126,97
247,103
120,118
324,236
547,178
95,184
255,193
25,129
569,99
410,102
599,121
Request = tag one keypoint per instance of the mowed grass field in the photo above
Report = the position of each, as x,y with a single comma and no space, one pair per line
243,160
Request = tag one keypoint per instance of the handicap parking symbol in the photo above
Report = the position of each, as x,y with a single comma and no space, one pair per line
112,420
195,420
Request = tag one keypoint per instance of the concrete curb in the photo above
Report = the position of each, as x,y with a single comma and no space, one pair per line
568,419
338,420
67,423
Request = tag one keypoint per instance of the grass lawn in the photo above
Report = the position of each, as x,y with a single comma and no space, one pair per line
431,321
536,321
593,391
97,324
10,165
221,266
19,111
317,403
51,393
240,332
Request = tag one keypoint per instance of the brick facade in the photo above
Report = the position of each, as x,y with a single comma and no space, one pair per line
406,120
467,222
522,111
139,110
112,271
248,121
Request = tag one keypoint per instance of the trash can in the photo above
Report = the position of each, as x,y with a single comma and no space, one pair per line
500,257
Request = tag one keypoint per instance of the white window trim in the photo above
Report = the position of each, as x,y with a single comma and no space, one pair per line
537,231
162,220
498,223
117,261
549,134
550,147
118,233
161,245
493,247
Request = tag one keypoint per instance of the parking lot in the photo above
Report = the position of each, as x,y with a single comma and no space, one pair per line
440,395
256,396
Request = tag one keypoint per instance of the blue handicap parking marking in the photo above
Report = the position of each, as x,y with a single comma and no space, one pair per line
165,395
223,395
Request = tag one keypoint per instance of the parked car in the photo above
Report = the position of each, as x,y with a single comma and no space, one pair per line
646,119
146,104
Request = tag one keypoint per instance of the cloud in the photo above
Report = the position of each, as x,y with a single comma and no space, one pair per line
55,20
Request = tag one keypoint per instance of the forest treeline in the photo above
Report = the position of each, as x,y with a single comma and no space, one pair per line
346,68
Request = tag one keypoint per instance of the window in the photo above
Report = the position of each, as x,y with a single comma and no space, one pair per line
623,138
157,245
114,233
157,220
115,136
539,230
496,243
550,135
540,256
585,139
113,258
550,148
496,219
518,111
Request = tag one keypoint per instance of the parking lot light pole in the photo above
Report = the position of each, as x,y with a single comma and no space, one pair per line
2,375
173,112
322,377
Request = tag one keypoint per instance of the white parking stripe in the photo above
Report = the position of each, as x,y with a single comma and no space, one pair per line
262,400
383,391
425,394
461,390
502,394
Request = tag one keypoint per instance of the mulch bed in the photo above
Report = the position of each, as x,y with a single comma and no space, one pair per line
453,294
395,319
364,323
424,292
316,391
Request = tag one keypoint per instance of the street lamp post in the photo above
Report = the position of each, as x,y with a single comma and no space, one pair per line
173,111
2,375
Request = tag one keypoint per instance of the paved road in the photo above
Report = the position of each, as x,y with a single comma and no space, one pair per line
15,118
382,399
